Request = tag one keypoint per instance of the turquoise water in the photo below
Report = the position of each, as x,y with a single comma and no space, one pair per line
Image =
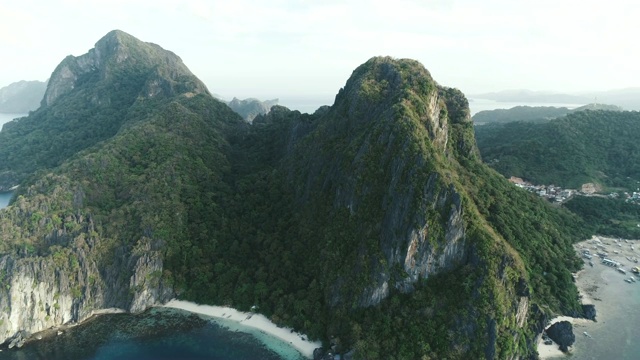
5,197
159,333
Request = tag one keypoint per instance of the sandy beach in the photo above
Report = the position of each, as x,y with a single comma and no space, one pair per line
615,300
256,321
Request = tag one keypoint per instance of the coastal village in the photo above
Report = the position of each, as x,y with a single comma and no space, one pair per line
556,194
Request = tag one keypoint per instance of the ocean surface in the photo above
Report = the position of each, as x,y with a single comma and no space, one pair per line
156,334
616,333
5,118
5,197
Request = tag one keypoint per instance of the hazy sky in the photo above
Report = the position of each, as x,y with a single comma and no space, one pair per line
285,48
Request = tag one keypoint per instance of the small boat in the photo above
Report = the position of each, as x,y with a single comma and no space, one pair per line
632,279
627,280
587,334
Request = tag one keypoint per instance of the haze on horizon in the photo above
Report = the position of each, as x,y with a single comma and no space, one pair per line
303,49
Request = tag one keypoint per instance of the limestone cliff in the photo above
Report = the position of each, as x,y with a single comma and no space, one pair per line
371,223
89,98
164,72
422,231
65,278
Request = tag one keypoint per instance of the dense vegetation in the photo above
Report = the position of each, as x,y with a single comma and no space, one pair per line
519,113
309,216
586,146
103,101
533,113
607,216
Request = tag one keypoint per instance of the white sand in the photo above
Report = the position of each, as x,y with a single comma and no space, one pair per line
253,320
546,352
553,351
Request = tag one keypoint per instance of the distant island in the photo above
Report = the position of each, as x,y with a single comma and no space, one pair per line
628,99
251,107
524,95
22,96
533,113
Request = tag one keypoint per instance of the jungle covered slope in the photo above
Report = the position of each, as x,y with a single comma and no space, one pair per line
607,216
586,146
372,222
89,99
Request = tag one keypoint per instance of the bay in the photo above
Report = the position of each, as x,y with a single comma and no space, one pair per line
158,333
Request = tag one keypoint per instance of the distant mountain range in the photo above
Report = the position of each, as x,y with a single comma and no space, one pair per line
533,113
628,98
22,96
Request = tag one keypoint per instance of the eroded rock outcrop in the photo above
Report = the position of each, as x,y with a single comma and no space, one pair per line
68,286
562,333
162,72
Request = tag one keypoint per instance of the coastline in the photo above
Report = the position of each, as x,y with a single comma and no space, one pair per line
614,300
253,320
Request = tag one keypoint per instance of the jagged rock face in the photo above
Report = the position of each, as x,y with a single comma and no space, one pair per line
164,76
371,192
41,292
421,230
146,284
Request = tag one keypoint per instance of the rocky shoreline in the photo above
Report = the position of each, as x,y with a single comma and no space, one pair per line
23,337
594,284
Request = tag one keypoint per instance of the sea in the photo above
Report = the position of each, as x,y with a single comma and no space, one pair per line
5,197
156,334
5,118
615,334
306,104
